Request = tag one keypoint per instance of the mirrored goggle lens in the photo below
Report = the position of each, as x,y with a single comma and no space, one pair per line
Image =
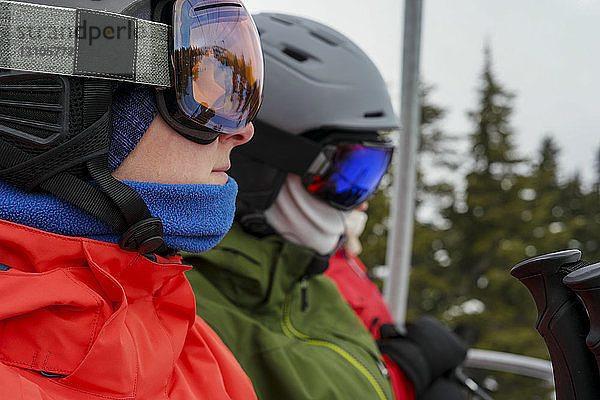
353,176
218,63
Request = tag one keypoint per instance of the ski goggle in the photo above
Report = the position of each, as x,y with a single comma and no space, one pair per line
342,167
217,68
351,174
204,56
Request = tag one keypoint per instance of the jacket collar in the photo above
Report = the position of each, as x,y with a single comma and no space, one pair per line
253,271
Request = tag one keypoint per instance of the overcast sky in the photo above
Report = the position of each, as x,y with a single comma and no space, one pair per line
544,51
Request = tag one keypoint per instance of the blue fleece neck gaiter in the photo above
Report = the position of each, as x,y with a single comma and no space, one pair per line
195,217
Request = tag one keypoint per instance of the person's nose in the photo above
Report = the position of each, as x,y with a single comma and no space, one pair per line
236,139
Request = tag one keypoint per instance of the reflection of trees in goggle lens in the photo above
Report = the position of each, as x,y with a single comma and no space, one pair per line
212,75
216,76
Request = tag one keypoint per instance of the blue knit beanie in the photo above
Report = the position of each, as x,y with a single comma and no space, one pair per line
133,109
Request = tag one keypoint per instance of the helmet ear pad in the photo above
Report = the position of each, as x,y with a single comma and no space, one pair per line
45,118
259,184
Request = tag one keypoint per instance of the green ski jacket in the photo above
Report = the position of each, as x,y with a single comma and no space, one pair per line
293,334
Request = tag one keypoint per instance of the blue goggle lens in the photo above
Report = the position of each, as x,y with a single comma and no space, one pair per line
354,174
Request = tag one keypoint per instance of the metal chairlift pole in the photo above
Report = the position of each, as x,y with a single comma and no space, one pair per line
400,237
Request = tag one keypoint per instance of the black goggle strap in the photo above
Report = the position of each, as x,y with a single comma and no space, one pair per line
287,152
80,42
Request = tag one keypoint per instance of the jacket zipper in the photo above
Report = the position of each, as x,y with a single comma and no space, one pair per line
290,331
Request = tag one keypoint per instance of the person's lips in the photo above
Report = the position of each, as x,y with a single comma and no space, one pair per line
218,176
222,169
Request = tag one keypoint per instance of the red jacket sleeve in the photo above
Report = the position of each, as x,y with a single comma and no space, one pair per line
350,276
401,385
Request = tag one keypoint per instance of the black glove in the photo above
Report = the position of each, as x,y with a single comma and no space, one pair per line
444,388
427,351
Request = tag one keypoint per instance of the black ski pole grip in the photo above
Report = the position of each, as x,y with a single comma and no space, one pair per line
562,322
586,283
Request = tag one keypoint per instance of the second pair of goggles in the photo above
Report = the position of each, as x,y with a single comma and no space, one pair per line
203,55
343,168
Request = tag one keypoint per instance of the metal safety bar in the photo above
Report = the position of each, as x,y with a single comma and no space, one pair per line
508,362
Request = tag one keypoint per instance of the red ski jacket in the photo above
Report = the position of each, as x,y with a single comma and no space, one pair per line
351,279
82,319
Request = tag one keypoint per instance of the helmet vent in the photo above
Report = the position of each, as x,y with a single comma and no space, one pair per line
375,114
325,37
296,54
282,21
32,108
201,8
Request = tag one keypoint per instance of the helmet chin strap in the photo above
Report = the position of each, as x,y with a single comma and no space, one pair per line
141,232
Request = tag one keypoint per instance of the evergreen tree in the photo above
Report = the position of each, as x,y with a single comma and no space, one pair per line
485,239
492,140
547,168
543,217
491,190
430,281
592,218
487,306
510,209
581,218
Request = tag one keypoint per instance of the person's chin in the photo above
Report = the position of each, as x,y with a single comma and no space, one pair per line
218,178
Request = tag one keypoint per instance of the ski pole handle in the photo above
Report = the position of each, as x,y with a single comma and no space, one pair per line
562,322
586,283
